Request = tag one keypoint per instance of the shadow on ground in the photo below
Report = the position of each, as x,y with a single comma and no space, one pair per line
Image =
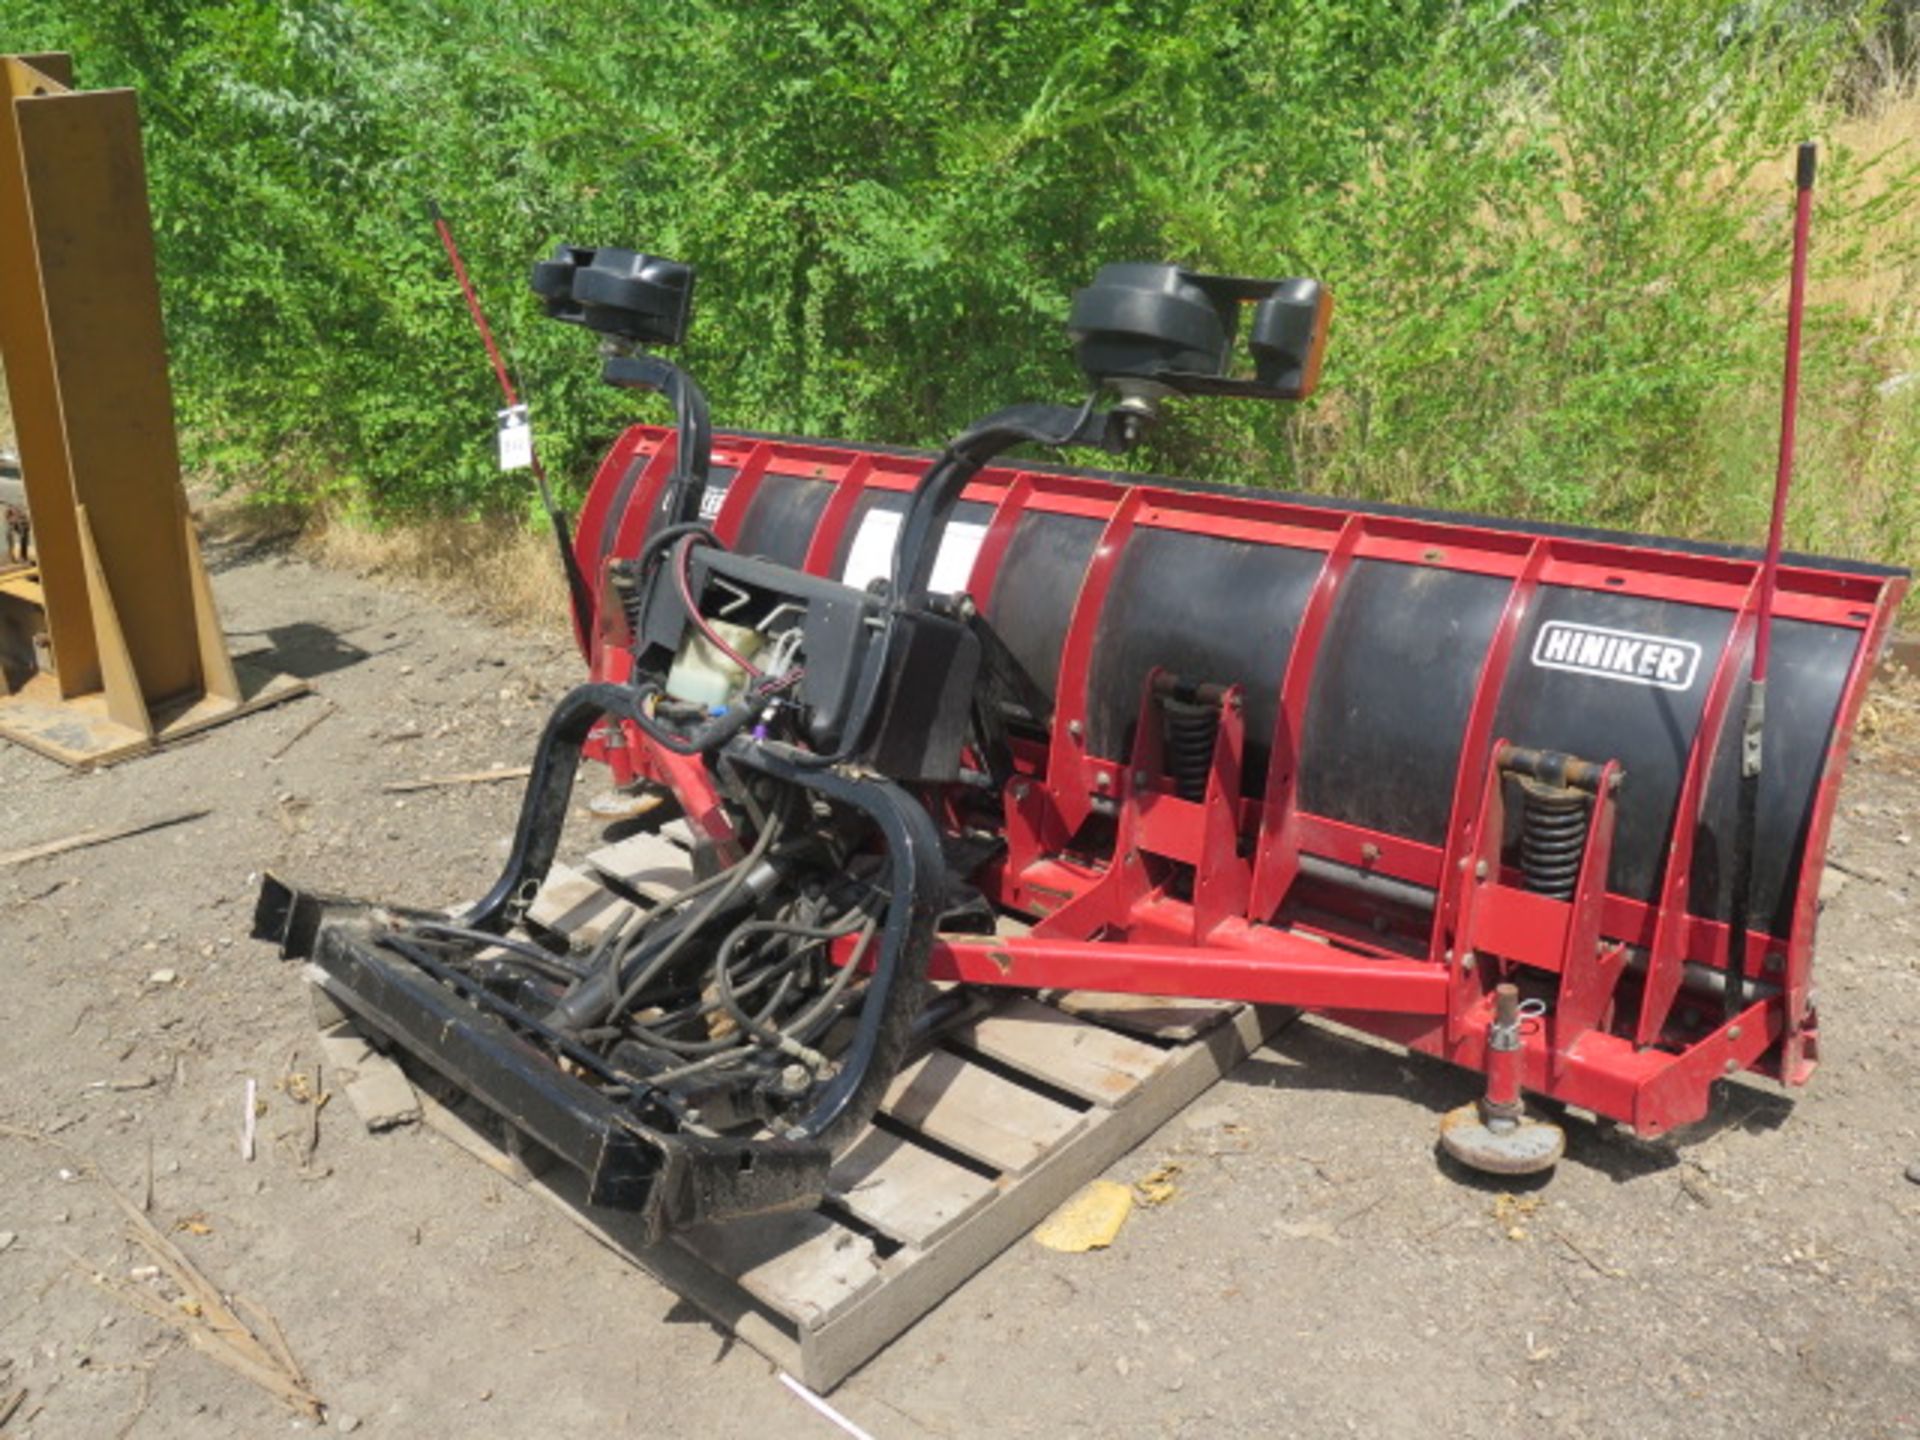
1312,1057
304,650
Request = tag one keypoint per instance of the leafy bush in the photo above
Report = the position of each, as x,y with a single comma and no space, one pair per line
1557,231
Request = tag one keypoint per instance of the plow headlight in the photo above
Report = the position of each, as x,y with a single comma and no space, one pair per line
1289,335
1169,328
624,293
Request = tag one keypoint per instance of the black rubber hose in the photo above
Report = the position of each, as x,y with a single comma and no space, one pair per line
812,935
557,966
610,989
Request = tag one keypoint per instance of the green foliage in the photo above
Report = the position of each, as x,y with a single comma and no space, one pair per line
1557,231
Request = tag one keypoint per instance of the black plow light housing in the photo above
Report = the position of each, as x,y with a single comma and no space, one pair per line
1166,328
623,293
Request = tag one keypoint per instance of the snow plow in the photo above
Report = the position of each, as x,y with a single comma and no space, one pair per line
1491,791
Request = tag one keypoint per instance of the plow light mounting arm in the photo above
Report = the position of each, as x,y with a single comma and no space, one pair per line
1145,331
634,300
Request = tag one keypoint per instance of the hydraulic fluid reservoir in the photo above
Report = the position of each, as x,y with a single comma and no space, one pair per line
701,674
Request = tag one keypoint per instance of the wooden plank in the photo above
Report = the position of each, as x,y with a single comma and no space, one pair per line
802,1263
468,777
375,1085
980,1114
89,838
1087,1060
649,865
577,905
24,584
905,1190
1158,1017
917,1280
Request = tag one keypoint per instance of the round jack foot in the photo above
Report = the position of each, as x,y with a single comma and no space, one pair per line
1501,1144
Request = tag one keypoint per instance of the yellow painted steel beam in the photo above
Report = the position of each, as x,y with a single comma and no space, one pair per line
85,185
32,390
137,652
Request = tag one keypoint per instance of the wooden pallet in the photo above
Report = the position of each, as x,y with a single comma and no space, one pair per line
1012,1109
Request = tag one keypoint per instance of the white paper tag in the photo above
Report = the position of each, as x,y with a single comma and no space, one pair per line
516,439
871,556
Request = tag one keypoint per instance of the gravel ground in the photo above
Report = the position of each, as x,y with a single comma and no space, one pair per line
1314,1273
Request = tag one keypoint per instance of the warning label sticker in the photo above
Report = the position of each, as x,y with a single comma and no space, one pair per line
1617,655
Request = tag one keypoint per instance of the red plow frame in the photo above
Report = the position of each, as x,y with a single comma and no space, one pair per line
1223,896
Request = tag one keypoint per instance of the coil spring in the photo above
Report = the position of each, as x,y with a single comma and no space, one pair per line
1553,836
1188,732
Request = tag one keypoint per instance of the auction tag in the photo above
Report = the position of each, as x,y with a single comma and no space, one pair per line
516,439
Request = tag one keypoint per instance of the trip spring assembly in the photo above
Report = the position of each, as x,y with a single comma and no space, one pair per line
1188,731
1553,836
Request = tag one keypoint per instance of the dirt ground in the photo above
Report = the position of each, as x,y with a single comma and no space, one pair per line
1314,1275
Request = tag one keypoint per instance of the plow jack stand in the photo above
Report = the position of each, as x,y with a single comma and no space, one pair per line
1494,1133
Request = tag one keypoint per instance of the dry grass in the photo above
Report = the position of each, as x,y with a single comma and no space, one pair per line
1882,288
1859,446
495,568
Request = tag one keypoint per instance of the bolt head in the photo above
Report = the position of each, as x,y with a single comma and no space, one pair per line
1732,1067
1075,729
1103,781
1733,1033
1467,962
1139,779
1480,870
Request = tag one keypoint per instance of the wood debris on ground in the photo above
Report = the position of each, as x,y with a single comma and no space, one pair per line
305,730
1158,1185
471,777
1510,1210
233,1331
86,839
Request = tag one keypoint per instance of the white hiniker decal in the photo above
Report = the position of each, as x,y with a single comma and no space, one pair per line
711,499
1617,654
